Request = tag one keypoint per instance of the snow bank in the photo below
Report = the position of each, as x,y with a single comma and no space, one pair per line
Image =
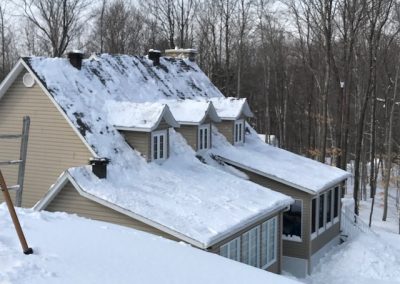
69,249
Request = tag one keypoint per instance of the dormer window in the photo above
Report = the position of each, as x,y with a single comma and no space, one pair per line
238,133
204,137
159,145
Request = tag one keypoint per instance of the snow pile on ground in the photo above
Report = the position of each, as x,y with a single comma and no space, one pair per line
292,169
70,249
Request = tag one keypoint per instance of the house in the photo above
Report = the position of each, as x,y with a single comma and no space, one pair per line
111,111
312,225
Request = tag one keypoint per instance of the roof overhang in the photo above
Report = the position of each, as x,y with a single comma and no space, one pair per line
244,111
261,173
10,78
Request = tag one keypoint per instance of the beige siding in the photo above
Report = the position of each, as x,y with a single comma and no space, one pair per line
189,132
275,267
139,141
53,145
325,237
225,127
70,201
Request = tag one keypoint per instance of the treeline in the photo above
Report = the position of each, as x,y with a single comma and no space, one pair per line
320,75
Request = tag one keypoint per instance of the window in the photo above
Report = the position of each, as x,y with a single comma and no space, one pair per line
159,145
336,204
251,247
314,217
204,137
328,208
292,222
238,132
268,242
231,250
321,213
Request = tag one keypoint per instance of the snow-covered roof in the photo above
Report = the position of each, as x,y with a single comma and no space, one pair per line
231,108
138,116
182,195
78,250
277,164
192,112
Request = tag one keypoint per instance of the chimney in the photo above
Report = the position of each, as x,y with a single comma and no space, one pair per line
99,166
75,58
155,55
188,53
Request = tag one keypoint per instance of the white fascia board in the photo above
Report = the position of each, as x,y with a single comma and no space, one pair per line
212,113
139,129
10,78
59,108
267,175
190,122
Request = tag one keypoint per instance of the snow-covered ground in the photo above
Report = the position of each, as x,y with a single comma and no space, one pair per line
368,257
70,249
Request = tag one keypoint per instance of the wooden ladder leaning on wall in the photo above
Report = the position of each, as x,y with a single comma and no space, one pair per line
19,187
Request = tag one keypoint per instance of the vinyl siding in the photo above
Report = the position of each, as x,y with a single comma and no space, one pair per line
53,145
325,237
225,127
189,132
139,141
275,267
290,248
69,200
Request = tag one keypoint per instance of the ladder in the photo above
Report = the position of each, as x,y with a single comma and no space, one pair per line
21,162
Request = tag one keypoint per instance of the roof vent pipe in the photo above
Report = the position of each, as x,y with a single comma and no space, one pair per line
75,58
99,166
154,55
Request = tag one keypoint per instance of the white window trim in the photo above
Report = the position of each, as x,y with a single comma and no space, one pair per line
315,234
238,141
165,144
286,238
202,127
275,244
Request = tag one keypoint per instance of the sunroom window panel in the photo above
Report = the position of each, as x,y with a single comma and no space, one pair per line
264,243
313,216
292,220
245,248
223,250
336,203
321,211
328,206
234,249
254,247
272,240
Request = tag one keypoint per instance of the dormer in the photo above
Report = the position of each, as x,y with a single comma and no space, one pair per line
145,127
233,113
195,119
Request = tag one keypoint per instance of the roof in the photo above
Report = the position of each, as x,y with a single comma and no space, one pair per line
182,195
138,116
192,112
231,108
277,164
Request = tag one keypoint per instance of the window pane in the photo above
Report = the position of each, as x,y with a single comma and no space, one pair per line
292,221
271,239
336,203
201,139
240,132
253,247
205,138
328,206
223,250
264,243
313,215
245,247
321,211
161,146
155,143
234,249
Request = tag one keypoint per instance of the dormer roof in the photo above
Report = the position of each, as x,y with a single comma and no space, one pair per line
231,108
143,117
193,112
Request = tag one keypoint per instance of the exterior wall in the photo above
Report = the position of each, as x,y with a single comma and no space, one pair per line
139,141
70,201
225,127
190,133
275,267
53,145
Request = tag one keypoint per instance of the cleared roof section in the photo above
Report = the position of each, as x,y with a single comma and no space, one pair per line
138,116
192,112
277,164
231,108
